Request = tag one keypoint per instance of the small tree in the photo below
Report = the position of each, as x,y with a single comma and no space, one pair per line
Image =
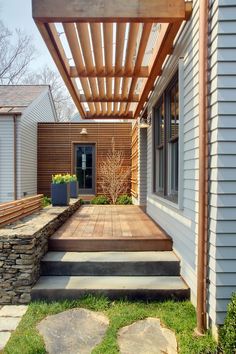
114,174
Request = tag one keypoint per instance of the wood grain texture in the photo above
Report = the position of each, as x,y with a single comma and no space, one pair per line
134,161
55,147
13,211
109,11
110,227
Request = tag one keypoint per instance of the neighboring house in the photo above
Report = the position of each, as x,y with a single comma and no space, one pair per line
168,172
21,108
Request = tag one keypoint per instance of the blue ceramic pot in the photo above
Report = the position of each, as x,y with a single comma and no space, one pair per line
60,194
74,189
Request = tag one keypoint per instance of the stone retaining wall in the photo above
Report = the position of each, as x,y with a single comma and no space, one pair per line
22,246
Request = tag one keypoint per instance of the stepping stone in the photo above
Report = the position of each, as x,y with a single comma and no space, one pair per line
13,310
9,323
4,337
147,337
76,331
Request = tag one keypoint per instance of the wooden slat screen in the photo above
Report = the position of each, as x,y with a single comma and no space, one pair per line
56,148
13,211
134,162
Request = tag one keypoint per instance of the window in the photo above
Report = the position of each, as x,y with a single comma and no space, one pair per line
166,142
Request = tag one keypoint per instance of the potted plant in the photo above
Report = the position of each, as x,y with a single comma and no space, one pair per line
60,190
74,187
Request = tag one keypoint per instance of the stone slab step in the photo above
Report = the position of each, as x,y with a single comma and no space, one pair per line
147,288
116,244
110,263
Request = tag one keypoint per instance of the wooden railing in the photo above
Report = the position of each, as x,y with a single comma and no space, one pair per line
134,162
13,211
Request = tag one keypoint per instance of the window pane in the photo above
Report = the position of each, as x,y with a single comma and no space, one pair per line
161,169
173,100
161,123
174,167
177,110
172,112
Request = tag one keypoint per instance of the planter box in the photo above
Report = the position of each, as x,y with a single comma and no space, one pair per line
74,189
60,194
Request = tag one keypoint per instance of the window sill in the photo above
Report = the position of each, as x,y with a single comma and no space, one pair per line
167,201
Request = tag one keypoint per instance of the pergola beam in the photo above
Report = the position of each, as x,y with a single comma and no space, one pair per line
164,47
141,72
133,98
51,38
110,11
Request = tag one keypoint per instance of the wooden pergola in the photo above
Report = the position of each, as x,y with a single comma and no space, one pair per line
109,53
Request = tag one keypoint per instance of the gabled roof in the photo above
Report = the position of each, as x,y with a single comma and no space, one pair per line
14,99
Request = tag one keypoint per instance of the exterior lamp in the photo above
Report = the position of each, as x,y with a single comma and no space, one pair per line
144,122
83,131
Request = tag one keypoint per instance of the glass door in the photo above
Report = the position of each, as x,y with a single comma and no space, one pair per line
85,168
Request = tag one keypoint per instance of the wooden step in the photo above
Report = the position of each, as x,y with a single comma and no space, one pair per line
111,263
110,244
146,288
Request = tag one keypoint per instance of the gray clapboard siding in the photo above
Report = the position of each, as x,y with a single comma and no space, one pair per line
180,223
41,110
6,158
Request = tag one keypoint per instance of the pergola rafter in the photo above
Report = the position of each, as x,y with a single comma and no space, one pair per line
117,50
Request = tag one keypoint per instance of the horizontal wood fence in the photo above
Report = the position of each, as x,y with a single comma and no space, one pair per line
13,211
134,162
56,148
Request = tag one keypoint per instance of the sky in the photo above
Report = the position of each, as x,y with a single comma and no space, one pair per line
18,14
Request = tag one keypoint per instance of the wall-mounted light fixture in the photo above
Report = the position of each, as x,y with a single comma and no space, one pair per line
83,131
144,122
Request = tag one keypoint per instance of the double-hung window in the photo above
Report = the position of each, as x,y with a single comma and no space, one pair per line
166,142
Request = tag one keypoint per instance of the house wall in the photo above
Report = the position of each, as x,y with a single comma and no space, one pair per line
55,148
41,110
180,220
222,198
141,197
6,158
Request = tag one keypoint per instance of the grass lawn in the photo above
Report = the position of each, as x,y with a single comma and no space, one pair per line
178,316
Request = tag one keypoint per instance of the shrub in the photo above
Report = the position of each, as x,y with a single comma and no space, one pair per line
228,330
100,199
46,201
124,199
114,173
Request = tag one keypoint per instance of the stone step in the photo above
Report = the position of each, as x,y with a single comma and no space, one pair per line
110,263
145,288
110,244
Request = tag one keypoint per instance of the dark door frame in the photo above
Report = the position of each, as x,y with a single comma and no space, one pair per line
73,164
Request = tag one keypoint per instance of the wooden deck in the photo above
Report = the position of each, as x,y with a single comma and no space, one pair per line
110,228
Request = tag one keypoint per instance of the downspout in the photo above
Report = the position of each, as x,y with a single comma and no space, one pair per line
203,168
15,157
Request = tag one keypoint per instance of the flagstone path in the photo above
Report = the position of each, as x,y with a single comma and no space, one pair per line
10,317
79,331
76,331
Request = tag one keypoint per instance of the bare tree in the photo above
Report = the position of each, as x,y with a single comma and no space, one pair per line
46,76
15,55
114,175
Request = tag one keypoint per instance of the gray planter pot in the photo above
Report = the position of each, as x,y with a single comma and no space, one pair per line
60,194
74,189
